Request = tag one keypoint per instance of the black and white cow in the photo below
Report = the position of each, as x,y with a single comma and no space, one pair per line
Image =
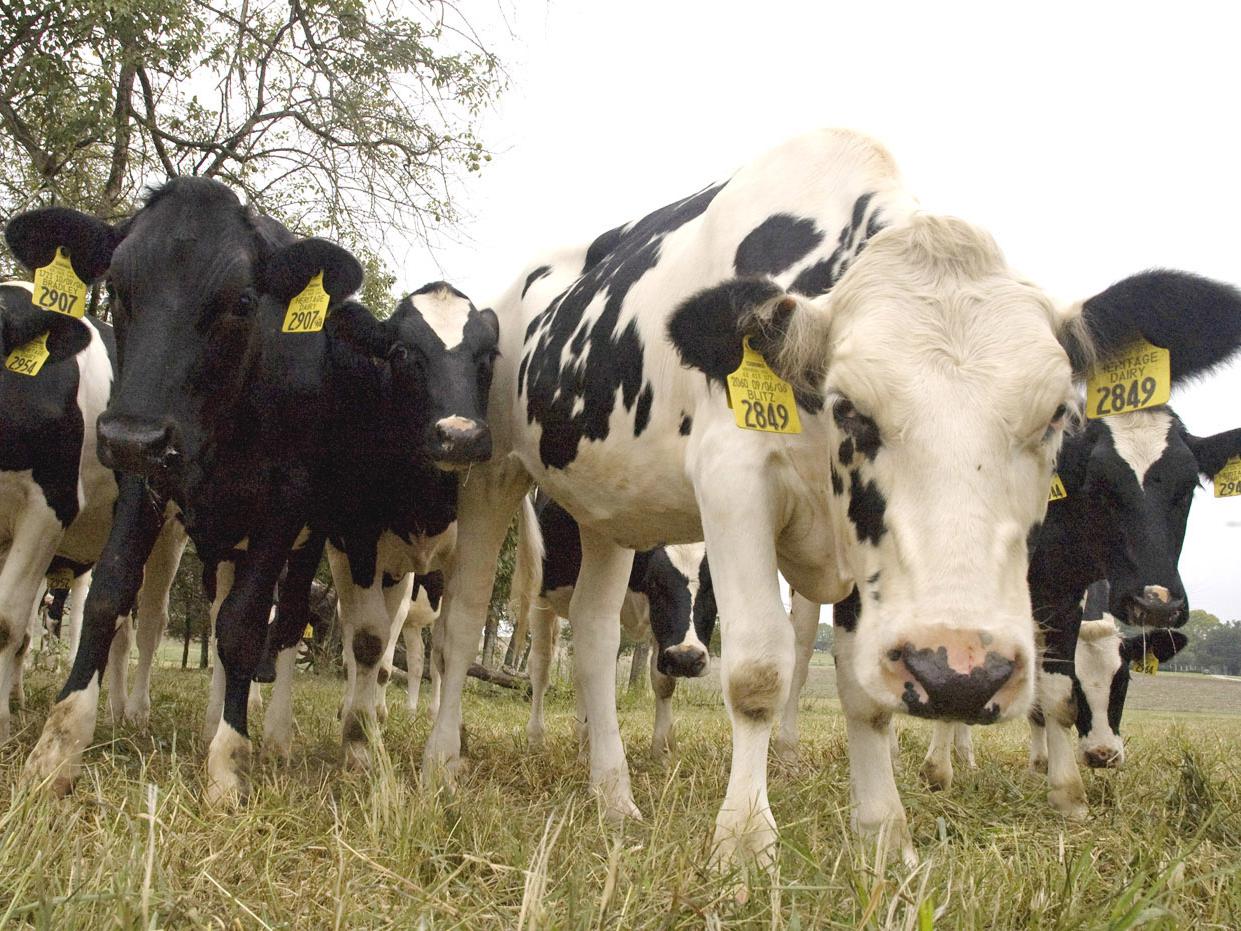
669,600
56,498
931,383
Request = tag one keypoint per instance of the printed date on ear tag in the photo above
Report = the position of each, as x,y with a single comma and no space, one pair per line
1138,378
760,399
308,309
57,286
1057,488
1228,479
28,358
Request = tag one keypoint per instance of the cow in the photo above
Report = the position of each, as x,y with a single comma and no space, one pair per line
931,385
207,418
56,499
669,600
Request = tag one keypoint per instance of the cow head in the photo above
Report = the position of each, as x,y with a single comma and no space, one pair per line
677,583
944,382
450,347
1103,658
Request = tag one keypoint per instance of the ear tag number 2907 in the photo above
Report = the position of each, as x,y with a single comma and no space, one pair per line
308,309
57,286
1138,378
1228,479
761,399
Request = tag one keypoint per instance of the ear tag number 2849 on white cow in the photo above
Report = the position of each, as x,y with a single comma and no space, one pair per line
1138,378
307,309
760,399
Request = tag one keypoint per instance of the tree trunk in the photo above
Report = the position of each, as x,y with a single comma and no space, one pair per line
489,639
637,669
185,647
202,656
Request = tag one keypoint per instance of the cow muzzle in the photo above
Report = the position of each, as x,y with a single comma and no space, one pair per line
684,661
458,442
960,675
1155,607
1104,757
136,446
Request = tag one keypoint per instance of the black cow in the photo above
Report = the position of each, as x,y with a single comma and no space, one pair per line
670,600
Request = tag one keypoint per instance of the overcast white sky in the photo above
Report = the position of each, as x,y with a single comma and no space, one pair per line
1092,140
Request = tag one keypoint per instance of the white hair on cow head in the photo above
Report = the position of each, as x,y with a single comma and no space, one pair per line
1093,631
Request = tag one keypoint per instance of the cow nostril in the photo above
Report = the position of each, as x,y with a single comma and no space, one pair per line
894,655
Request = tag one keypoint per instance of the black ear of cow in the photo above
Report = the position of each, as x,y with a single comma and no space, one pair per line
1197,319
34,236
707,329
1213,451
288,270
21,321
1162,644
483,327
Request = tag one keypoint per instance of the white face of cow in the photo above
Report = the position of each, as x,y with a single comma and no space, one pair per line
1100,673
947,388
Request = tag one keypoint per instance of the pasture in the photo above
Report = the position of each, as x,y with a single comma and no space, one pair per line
520,843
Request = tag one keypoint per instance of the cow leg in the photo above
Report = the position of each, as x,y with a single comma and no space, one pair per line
1067,794
663,740
161,569
593,612
805,617
877,808
412,634
224,573
36,534
396,601
437,665
937,767
484,510
118,575
118,667
963,744
241,632
542,624
77,608
278,722
1038,741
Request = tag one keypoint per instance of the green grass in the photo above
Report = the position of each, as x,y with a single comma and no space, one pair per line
520,843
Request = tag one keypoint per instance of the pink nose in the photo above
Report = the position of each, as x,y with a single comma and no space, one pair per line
960,675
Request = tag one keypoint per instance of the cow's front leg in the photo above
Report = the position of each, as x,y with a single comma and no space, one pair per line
877,808
805,617
594,611
663,738
1067,795
484,510
365,626
396,601
756,658
414,647
937,767
542,623
1038,741
77,610
215,697
152,616
57,756
963,744
241,637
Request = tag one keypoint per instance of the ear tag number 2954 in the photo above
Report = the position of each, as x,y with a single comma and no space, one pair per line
29,357
1228,479
1138,378
761,399
308,309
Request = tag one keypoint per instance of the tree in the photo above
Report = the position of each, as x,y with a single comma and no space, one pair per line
346,118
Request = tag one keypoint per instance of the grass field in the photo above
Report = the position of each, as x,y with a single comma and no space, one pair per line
520,843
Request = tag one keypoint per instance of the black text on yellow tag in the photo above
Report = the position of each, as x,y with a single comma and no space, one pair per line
1228,479
29,357
1138,378
761,399
57,286
1057,488
308,309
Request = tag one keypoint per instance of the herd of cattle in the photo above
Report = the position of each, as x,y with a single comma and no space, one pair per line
916,397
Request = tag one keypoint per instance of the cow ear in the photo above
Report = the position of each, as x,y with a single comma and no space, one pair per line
1196,319
287,271
1213,451
34,237
1131,648
1165,644
789,331
482,328
21,321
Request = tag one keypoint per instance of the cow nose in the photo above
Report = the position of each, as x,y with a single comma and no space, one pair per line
1155,607
958,675
1102,758
685,661
139,446
460,441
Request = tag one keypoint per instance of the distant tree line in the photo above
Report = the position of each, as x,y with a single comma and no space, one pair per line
1214,646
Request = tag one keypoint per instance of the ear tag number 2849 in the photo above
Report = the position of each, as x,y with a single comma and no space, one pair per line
1138,378
760,399
1228,479
308,309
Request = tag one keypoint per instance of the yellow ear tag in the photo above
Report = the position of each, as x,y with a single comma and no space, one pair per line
1148,665
1140,377
60,579
57,286
760,399
1057,488
308,633
28,358
1228,479
308,309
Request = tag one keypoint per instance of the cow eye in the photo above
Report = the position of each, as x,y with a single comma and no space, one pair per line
246,302
398,353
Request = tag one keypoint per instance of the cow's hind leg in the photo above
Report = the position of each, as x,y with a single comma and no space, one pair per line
1038,741
663,738
805,617
396,601
1067,795
542,623
937,767
161,569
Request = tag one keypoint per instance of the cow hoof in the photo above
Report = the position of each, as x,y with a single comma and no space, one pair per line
536,740
57,758
278,747
357,756
381,711
785,751
226,761
616,799
938,778
138,717
412,708
1069,802
1038,764
740,846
